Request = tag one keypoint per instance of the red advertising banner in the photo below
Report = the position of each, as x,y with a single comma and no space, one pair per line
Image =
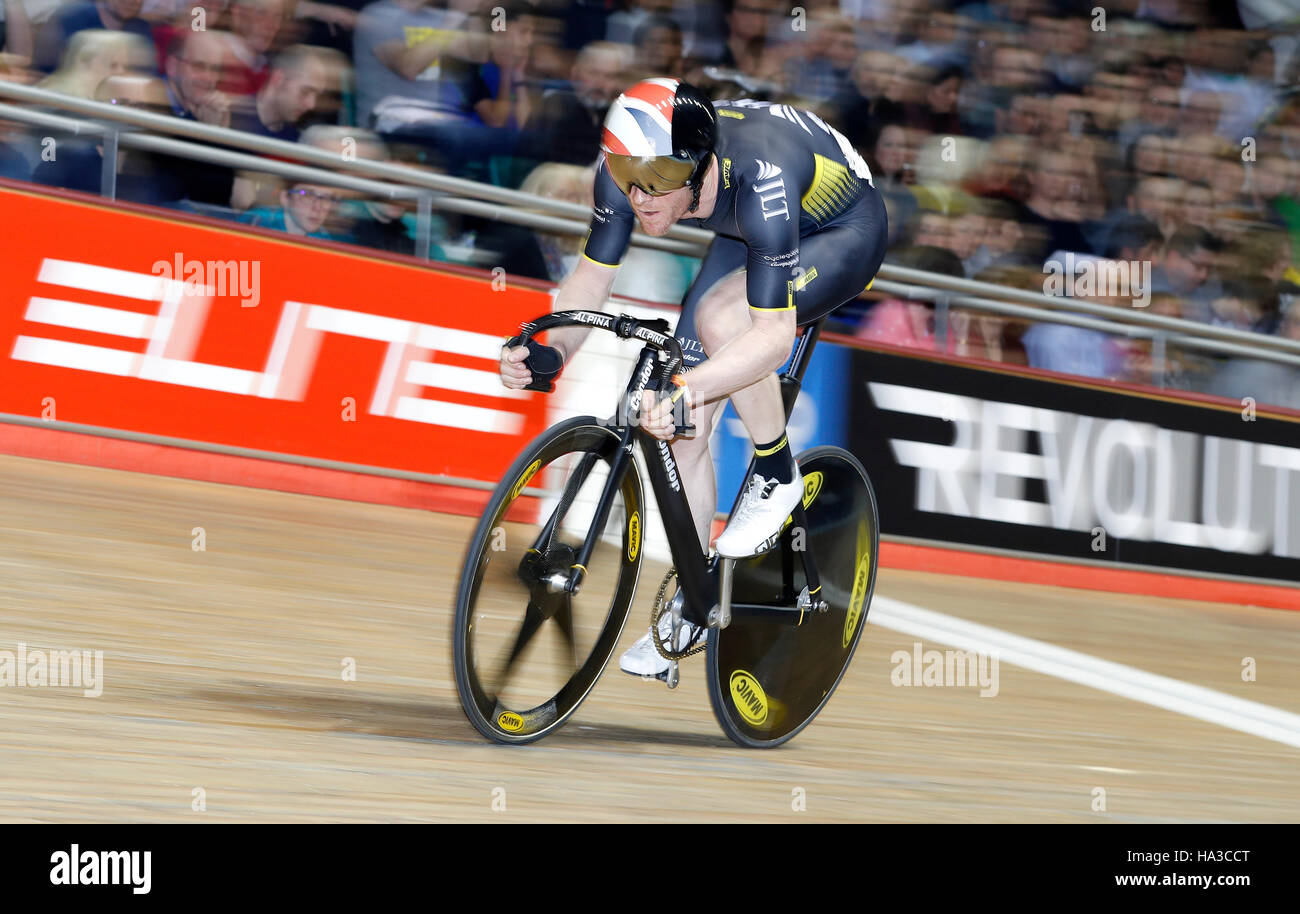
129,320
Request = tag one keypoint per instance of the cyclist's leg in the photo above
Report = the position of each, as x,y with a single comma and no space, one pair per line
837,264
694,459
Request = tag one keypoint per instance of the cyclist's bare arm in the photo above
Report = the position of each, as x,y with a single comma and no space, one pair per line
746,360
588,286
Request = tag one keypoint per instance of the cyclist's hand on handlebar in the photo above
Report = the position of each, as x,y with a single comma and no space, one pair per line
658,415
514,373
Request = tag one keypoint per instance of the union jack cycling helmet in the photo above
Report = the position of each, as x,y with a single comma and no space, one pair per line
658,136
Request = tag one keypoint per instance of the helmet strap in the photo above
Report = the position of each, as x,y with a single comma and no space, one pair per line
697,183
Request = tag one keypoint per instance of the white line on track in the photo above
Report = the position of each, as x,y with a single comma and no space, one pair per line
1116,678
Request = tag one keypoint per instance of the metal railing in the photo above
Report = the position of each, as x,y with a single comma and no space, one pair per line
431,190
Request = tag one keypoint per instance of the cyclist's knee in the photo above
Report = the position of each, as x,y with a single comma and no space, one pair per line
723,313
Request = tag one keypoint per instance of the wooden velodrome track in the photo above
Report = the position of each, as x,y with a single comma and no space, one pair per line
223,684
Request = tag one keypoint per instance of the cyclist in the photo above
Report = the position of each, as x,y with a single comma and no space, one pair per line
800,231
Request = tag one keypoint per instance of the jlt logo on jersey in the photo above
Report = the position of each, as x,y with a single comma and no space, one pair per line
770,187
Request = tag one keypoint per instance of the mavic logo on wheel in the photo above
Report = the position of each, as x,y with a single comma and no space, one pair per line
859,595
511,721
523,480
749,697
633,536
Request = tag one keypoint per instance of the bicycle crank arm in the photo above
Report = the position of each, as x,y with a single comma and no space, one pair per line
720,615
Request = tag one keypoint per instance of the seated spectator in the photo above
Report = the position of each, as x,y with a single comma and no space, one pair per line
173,18
1133,238
747,47
500,94
304,211
1242,303
1073,350
414,59
659,48
255,26
141,177
1005,241
1012,70
936,112
66,21
939,43
371,223
1266,382
627,26
572,184
93,55
193,69
1058,183
1158,117
566,125
818,66
297,78
890,155
1185,270
873,96
906,323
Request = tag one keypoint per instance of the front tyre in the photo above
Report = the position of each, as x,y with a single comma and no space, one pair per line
526,652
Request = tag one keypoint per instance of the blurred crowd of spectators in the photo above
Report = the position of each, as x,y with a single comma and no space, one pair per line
1003,134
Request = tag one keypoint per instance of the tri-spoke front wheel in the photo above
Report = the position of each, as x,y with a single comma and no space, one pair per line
529,645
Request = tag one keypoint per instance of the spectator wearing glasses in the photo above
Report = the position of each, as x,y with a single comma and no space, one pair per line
194,62
304,211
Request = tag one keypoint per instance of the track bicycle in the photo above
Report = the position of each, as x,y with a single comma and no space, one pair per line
551,572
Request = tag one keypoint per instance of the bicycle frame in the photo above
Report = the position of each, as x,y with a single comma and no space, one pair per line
698,578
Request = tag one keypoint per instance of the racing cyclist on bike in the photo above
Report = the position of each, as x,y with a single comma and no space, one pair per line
799,231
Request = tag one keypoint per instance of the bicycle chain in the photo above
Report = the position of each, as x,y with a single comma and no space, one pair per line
656,613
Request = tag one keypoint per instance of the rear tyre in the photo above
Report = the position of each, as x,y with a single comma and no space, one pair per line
768,680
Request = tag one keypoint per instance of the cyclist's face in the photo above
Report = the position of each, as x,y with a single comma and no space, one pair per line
657,214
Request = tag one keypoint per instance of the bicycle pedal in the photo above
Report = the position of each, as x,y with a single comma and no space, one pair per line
673,676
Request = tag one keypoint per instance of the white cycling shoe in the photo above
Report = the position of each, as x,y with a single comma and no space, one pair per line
756,524
641,659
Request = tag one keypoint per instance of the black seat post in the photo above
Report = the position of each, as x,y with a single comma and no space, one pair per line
792,378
